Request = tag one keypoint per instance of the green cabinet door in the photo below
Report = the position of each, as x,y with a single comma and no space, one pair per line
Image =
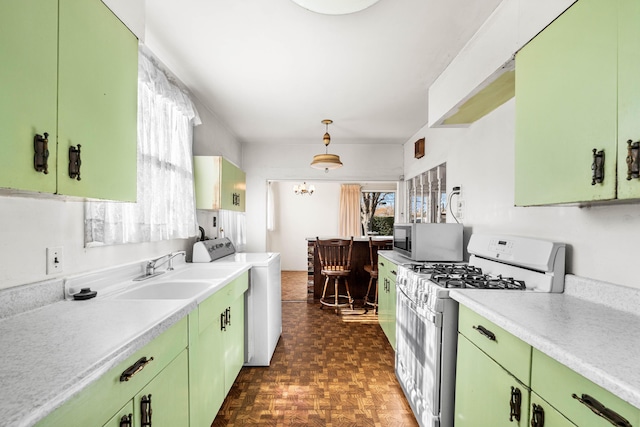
123,418
484,391
28,93
541,410
169,392
97,101
628,93
240,186
387,271
227,187
234,342
566,105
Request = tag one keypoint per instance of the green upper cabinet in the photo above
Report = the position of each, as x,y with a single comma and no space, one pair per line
219,184
97,101
28,91
576,91
70,70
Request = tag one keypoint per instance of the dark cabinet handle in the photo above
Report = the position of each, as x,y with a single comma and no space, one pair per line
515,404
125,421
602,411
41,153
135,368
537,416
74,162
223,323
227,314
597,167
485,332
145,411
633,166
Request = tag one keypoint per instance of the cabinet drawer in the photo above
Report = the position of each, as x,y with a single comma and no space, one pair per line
510,352
557,384
210,309
107,395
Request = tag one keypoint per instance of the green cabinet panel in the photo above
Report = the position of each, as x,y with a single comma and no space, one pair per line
513,354
566,105
557,384
387,272
216,349
552,417
484,390
219,184
97,101
628,93
126,411
169,393
69,69
28,93
106,396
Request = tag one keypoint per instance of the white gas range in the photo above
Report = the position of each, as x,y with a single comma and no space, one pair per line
427,319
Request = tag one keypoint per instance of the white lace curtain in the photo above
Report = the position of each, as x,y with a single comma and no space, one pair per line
165,207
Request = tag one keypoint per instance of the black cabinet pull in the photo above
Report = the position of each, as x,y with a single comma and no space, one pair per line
633,165
41,153
228,314
223,323
602,411
125,421
74,162
515,404
135,368
485,332
597,167
145,411
537,416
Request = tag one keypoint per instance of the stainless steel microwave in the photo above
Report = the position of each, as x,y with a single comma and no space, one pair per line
429,241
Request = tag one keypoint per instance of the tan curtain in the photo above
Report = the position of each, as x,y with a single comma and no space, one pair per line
350,210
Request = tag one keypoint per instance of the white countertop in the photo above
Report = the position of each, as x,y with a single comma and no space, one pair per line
49,354
590,328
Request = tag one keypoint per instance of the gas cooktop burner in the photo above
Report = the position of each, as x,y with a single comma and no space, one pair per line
466,276
478,281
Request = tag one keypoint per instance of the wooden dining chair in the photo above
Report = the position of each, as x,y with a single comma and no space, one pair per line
335,263
372,269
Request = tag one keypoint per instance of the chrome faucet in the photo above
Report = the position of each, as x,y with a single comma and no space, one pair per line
150,267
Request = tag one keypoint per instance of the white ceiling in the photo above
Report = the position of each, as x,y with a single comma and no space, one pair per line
273,70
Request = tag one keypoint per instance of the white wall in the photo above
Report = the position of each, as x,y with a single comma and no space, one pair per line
362,162
298,217
28,226
602,239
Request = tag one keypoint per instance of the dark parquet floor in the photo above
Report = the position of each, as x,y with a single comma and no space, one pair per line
324,372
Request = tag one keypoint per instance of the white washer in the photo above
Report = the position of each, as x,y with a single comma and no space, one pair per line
263,299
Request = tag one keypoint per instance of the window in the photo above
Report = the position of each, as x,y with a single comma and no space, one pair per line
377,211
165,207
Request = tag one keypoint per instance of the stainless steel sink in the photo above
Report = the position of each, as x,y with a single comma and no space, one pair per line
167,290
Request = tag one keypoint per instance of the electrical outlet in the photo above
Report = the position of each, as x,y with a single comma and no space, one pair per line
54,260
460,209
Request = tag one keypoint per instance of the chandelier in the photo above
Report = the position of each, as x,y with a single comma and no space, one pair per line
302,189
326,161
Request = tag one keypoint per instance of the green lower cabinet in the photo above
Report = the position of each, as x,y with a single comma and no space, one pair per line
387,272
543,414
216,349
574,396
165,400
105,399
486,394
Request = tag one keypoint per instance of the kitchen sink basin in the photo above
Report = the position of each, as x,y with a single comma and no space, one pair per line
206,272
167,290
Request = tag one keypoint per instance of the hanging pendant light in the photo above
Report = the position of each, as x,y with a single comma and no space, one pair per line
326,161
